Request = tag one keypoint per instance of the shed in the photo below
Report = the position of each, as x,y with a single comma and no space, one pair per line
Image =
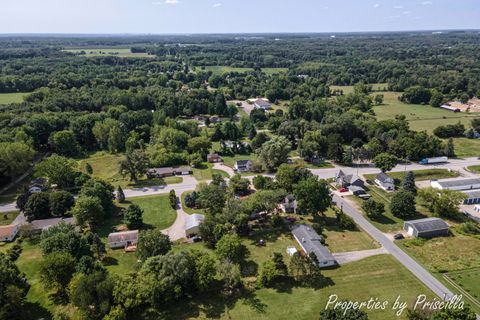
8,233
310,242
426,228
192,224
122,239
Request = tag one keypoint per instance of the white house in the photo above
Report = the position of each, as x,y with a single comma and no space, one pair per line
122,239
243,165
262,103
192,224
8,233
385,182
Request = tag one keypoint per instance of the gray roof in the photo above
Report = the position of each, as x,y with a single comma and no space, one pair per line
124,236
44,224
349,178
262,103
310,242
183,169
161,170
450,183
194,220
383,177
243,162
355,188
427,224
473,194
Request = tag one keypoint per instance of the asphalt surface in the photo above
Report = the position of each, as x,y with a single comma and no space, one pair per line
431,282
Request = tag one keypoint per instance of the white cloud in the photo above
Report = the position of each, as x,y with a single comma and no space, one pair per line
173,2
216,5
376,5
407,12
398,7
427,3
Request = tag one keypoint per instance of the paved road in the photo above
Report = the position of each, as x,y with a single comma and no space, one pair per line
431,282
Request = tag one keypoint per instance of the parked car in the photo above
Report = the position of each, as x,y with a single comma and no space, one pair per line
343,190
398,236
196,238
369,181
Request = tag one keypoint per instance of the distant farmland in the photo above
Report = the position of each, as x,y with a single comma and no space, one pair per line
7,98
118,52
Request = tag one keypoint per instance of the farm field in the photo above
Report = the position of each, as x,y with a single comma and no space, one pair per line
219,70
119,52
7,98
105,166
420,117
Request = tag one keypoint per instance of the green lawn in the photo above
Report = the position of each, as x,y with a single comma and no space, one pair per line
187,209
349,89
157,212
106,165
17,97
420,117
219,70
467,147
119,52
468,280
7,217
475,169
205,173
323,165
420,175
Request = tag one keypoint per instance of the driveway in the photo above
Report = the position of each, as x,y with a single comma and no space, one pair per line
346,257
430,281
247,107
222,167
177,230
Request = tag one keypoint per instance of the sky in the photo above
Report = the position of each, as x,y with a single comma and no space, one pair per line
234,16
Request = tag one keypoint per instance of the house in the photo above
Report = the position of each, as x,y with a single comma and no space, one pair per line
345,180
160,172
214,119
262,103
243,165
290,204
44,224
192,224
122,239
214,157
310,242
426,228
461,184
385,182
8,233
183,171
356,191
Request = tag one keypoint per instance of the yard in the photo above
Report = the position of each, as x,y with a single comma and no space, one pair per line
17,97
467,147
106,166
205,173
187,209
6,218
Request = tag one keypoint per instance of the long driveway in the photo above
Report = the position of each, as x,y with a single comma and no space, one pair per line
430,281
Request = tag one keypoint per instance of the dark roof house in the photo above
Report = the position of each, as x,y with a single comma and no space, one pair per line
310,242
346,180
385,182
426,228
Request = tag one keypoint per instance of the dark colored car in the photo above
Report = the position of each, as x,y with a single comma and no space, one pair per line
398,236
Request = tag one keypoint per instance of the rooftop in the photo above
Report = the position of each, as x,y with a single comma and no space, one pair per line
310,241
383,177
450,183
428,224
123,236
194,220
47,223
7,231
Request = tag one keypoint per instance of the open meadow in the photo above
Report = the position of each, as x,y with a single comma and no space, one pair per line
99,52
17,97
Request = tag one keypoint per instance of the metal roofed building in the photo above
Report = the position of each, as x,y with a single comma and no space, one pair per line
473,197
310,242
456,184
192,224
426,228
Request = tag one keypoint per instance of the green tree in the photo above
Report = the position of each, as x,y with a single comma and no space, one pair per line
15,158
402,204
13,288
88,168
230,247
152,243
60,202
259,140
340,314
373,208
268,274
59,170
64,143
88,211
408,183
450,148
385,161
288,176
92,294
64,238
56,271
378,99
239,185
37,206
120,195
205,270
274,152
173,199
437,99
312,195
212,197
280,264
230,275
132,217
102,190
134,165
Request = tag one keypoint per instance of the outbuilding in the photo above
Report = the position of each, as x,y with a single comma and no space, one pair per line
462,184
310,242
426,228
122,239
192,224
8,233
214,157
473,197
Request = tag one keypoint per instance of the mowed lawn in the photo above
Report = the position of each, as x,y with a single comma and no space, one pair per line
157,212
467,147
468,280
420,117
7,217
106,166
205,173
17,97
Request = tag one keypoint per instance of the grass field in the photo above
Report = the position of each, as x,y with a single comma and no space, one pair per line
7,217
420,117
467,147
7,98
105,166
468,280
420,175
205,173
219,70
119,52
157,212
349,89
